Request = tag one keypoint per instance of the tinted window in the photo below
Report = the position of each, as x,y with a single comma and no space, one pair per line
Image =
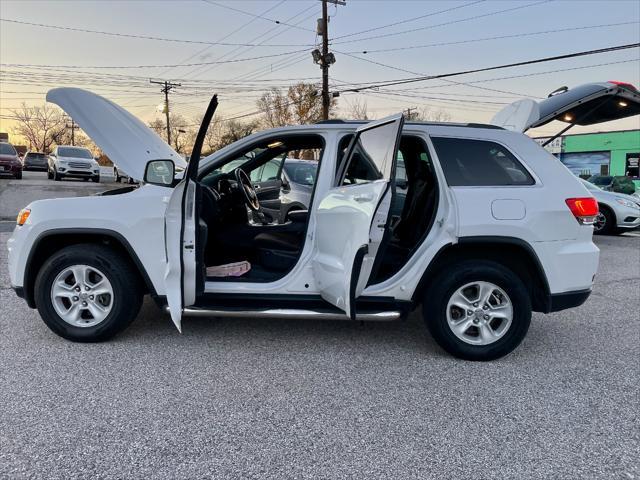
372,156
7,149
75,152
479,163
36,155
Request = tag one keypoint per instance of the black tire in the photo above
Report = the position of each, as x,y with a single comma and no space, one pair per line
96,179
56,176
609,219
440,290
127,291
19,176
49,174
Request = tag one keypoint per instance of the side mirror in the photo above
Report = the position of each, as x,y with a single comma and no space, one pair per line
286,186
160,172
52,155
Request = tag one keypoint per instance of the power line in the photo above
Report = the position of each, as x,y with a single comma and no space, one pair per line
172,65
500,37
452,22
408,20
144,37
244,25
497,67
257,16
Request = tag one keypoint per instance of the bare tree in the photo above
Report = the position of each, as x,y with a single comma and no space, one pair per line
182,133
357,109
301,105
234,130
39,126
214,134
427,114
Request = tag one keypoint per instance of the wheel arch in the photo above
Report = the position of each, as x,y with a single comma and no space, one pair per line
513,253
53,241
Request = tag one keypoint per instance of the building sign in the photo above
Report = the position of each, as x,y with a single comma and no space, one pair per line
554,147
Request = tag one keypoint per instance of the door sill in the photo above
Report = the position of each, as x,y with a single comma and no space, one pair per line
291,313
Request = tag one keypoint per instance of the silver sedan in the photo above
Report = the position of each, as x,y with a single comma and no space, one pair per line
618,212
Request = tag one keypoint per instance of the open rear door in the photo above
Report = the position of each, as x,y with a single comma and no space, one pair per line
352,218
587,104
185,234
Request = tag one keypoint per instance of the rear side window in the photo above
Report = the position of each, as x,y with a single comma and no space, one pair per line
467,162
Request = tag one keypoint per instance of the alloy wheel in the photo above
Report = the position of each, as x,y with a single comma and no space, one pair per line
82,296
479,313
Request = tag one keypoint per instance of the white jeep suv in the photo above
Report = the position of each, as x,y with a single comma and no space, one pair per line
490,228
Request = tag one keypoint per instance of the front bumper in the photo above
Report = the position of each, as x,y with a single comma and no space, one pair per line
627,217
10,169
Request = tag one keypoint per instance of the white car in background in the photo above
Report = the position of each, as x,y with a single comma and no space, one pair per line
74,162
492,227
618,212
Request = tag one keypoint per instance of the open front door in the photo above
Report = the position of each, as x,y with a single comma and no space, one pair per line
352,219
185,234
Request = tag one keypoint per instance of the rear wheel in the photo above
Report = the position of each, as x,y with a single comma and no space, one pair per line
49,174
19,176
56,176
477,310
87,293
605,223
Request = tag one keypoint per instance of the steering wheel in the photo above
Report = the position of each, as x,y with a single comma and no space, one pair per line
248,192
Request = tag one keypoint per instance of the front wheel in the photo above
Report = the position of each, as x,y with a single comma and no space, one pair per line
96,179
477,310
87,293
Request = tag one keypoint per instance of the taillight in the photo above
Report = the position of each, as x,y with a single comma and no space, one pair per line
585,209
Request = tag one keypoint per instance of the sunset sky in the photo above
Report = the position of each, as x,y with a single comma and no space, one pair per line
37,58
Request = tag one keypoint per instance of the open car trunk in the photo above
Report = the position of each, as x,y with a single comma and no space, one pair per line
586,104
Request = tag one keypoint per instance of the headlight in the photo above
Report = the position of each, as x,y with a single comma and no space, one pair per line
627,203
23,216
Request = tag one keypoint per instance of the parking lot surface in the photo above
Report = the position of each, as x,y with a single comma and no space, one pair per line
257,398
15,194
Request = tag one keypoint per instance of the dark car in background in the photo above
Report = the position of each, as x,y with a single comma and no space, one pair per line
298,178
618,184
9,161
35,161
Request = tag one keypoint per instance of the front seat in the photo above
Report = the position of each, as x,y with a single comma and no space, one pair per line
278,250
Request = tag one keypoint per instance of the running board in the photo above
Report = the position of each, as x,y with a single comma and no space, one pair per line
300,314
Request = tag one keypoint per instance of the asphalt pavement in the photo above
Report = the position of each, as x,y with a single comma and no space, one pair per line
255,398
16,194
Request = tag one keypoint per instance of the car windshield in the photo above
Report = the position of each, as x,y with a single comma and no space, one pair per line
35,155
74,152
7,149
601,181
301,173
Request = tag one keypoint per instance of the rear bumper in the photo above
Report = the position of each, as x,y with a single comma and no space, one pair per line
565,300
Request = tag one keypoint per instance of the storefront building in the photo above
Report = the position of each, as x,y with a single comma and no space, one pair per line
606,153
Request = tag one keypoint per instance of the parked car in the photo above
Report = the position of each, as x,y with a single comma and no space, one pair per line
617,212
478,245
35,161
9,161
75,162
121,176
618,184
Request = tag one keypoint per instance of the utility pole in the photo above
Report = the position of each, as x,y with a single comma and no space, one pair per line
325,58
408,113
166,88
73,127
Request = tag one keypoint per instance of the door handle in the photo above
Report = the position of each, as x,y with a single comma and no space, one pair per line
363,197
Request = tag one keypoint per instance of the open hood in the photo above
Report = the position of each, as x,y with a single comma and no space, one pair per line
586,104
126,140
